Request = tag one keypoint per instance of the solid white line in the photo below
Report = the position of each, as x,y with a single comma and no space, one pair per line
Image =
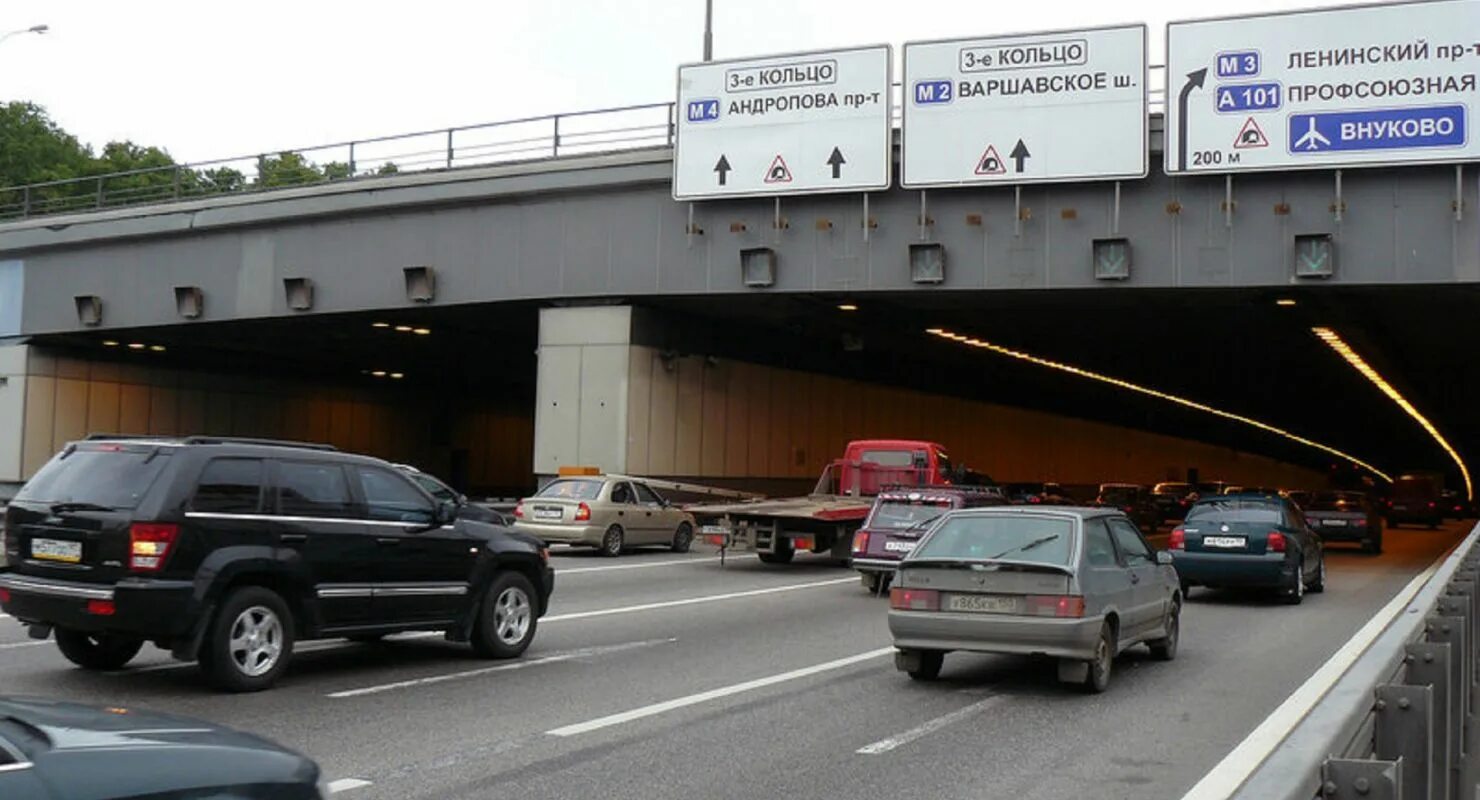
711,598
920,732
345,784
714,694
553,658
644,565
14,645
1235,768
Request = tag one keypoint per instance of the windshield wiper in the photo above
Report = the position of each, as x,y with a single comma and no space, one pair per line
62,508
1026,547
914,526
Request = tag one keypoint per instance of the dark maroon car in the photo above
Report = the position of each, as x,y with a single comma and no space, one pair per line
900,517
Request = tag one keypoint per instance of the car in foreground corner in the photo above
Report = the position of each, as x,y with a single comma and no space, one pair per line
1248,541
1076,584
63,751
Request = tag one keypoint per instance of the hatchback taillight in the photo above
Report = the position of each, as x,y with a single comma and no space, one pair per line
914,599
1275,542
860,542
583,513
1177,539
1055,605
149,544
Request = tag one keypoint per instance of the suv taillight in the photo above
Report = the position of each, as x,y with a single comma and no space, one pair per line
149,544
860,542
583,513
1177,539
1275,542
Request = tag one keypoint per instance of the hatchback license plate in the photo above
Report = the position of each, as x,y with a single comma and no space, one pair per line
547,513
56,550
981,603
1225,541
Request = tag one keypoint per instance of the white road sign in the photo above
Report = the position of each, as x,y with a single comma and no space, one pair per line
795,124
1348,87
1034,108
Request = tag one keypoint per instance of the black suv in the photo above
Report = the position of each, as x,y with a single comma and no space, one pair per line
227,551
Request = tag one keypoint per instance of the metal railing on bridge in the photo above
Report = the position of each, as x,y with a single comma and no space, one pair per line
511,141
1399,722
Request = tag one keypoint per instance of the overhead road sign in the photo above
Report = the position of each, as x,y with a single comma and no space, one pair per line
1031,108
783,125
1356,86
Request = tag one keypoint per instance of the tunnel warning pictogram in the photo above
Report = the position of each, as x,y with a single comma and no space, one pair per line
1251,135
778,172
990,163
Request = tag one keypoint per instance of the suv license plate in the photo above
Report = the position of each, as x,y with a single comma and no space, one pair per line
56,550
1225,541
982,603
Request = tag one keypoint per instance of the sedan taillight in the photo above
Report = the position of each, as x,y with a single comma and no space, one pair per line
914,599
519,510
860,542
149,544
583,513
1177,539
1275,542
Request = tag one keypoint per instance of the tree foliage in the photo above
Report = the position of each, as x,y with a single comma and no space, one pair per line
34,149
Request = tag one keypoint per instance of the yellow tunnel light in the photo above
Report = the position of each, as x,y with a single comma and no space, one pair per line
1285,301
1149,392
1330,337
847,307
380,324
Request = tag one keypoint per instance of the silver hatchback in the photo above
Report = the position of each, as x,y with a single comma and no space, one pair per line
1077,584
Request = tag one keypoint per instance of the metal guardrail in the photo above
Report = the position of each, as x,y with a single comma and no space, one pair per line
1398,724
511,141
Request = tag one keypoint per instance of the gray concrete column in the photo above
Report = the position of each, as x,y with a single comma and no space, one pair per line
581,388
12,413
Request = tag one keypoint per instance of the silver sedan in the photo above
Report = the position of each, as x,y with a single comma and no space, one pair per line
1077,584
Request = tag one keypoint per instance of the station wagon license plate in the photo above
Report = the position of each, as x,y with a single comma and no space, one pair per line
982,603
1226,542
546,513
56,550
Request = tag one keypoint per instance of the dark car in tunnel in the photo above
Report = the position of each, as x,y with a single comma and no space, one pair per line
1248,541
1345,517
64,751
1415,501
1045,493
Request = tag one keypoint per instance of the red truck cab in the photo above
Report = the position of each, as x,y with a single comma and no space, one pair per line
869,465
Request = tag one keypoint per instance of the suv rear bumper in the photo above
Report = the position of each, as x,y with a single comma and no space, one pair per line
150,609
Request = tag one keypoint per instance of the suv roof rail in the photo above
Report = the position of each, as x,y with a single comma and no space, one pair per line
263,442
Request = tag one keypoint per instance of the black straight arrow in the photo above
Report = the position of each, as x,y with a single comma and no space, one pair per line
1194,81
1020,154
836,161
722,168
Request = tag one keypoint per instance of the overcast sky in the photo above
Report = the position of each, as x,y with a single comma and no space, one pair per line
214,78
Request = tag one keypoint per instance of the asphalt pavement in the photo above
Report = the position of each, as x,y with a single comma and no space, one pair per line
658,675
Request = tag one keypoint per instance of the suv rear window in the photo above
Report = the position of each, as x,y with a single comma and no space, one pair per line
114,476
1044,540
1237,510
571,490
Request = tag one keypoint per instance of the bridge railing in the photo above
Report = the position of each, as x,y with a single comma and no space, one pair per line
1399,722
531,139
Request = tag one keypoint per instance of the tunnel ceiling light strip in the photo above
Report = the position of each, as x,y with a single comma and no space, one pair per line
1149,392
1336,343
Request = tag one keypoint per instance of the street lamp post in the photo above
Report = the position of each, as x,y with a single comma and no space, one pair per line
32,29
708,30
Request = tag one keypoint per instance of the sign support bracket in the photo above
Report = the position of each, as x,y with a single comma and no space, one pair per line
1340,203
776,221
923,219
1228,200
1459,192
1017,211
865,217
1115,212
690,230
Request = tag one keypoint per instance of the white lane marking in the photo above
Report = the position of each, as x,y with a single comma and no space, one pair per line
1235,768
688,601
553,658
714,694
345,784
14,645
921,731
645,565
